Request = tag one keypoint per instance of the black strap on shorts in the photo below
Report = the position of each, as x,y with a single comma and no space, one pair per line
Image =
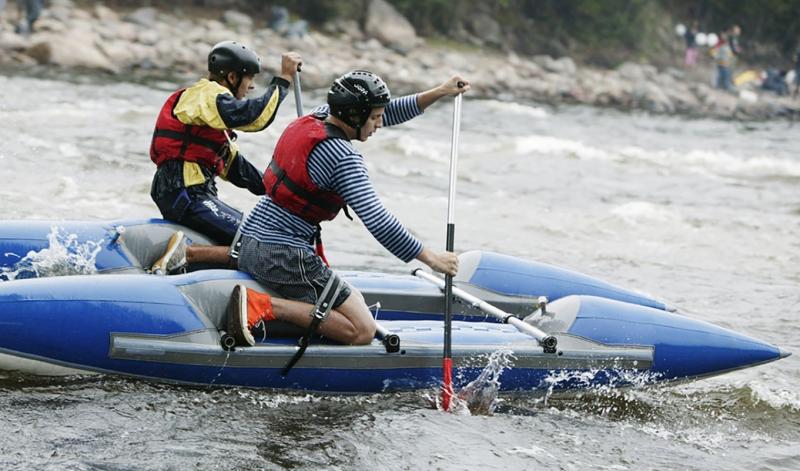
321,310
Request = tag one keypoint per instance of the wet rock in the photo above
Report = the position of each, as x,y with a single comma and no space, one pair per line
485,28
12,42
68,4
143,16
389,27
563,65
651,97
148,37
723,104
105,14
237,20
341,27
73,48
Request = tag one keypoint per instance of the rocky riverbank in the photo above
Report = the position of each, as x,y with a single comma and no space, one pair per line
159,42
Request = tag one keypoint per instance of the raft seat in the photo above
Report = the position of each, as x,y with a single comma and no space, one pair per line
210,298
145,243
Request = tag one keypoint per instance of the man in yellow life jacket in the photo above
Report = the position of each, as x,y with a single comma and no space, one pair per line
194,142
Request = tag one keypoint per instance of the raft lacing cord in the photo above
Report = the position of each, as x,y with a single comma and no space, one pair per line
320,312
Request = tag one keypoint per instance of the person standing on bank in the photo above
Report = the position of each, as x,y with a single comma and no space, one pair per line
796,72
315,173
194,142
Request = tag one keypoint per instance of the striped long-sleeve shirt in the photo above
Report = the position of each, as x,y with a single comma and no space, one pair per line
335,165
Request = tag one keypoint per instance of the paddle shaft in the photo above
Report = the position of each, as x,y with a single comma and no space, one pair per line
298,97
447,359
545,340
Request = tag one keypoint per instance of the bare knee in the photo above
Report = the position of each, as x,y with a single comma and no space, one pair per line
362,326
364,334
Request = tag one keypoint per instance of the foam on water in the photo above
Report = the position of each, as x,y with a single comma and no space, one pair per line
516,108
643,212
64,255
554,145
716,163
774,398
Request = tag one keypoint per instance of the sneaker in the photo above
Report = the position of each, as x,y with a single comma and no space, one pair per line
237,317
174,257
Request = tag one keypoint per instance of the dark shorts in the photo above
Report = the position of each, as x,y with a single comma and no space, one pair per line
202,212
294,273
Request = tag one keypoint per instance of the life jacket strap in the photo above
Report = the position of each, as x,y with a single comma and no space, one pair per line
188,138
283,178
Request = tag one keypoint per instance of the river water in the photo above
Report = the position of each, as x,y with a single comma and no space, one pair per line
700,213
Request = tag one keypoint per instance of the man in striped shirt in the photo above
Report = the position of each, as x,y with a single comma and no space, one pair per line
315,172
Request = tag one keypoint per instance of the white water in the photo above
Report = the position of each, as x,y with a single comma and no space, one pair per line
64,255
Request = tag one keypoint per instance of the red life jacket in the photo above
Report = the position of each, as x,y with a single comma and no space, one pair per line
287,180
173,140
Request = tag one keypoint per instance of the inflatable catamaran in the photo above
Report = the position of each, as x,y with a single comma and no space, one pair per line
586,333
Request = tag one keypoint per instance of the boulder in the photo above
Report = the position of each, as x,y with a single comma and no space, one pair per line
563,65
485,28
12,42
120,53
72,48
652,98
68,4
148,37
637,72
389,27
143,16
237,20
105,14
343,27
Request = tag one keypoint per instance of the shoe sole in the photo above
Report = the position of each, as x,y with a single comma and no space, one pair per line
237,317
160,267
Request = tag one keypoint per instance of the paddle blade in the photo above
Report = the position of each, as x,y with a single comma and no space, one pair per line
447,383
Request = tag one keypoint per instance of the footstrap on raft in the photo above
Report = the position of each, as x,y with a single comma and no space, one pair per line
321,310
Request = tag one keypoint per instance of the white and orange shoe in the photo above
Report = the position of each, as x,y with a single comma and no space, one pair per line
246,309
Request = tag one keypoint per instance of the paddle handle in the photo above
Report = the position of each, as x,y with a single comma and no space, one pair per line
298,97
451,198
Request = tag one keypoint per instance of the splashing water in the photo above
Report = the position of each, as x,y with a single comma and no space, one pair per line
598,380
64,255
479,397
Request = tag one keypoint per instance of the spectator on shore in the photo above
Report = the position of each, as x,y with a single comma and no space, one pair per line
796,72
281,24
733,39
723,57
691,45
2,13
29,13
775,81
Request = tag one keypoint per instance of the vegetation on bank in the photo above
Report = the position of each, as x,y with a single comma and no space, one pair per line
598,32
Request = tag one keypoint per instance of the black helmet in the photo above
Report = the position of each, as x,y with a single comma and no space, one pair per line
353,96
230,56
